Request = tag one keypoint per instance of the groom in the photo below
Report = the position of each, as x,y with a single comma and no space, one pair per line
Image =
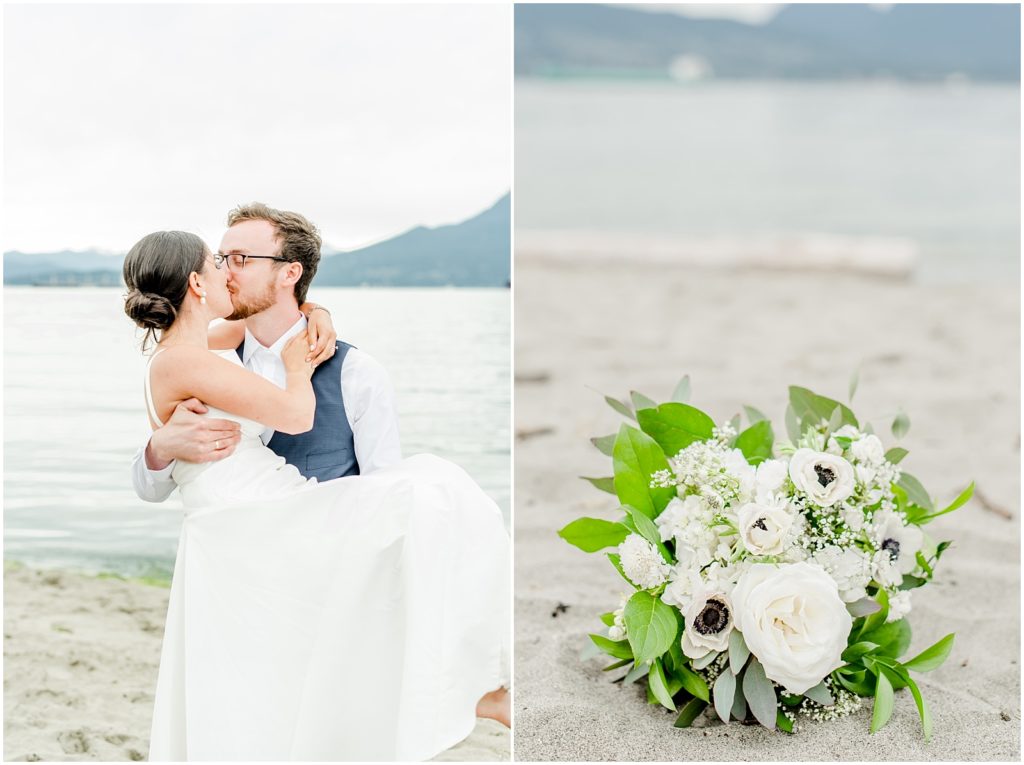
272,256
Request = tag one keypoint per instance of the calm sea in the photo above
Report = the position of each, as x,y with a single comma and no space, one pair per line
938,164
74,413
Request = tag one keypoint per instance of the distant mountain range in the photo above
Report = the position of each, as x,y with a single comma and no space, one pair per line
804,41
474,253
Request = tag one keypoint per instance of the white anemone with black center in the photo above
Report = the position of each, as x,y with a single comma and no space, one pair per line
826,479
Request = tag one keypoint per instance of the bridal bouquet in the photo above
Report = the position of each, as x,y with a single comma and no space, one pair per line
768,578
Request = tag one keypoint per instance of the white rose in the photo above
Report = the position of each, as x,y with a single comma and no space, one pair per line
769,478
825,478
793,621
763,528
868,449
642,563
708,624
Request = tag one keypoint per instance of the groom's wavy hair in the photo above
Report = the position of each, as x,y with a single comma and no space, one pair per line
156,272
300,239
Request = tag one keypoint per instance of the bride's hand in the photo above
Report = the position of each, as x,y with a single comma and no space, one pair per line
321,333
294,355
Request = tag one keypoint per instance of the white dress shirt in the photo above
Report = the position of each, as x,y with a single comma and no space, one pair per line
369,407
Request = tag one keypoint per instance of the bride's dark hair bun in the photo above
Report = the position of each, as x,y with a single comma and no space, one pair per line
156,271
149,311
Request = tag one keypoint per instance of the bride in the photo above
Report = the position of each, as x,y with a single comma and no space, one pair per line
362,618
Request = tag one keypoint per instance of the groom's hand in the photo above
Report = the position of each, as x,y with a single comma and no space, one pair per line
188,436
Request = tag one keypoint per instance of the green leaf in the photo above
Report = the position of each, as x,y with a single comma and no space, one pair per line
883,703
900,425
619,649
793,424
756,442
620,407
725,694
916,493
675,426
604,484
893,638
693,682
811,408
922,708
896,454
593,534
783,722
957,503
682,392
617,665
760,694
640,401
651,625
608,619
932,657
835,422
604,444
645,526
614,558
636,458
659,687
738,651
753,414
690,712
912,582
855,651
855,681
854,380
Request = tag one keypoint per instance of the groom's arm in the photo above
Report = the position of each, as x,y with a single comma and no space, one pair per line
185,436
370,405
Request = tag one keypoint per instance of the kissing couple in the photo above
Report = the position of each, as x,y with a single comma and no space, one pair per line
330,600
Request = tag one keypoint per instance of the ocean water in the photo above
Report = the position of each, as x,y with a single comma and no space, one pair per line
74,412
937,164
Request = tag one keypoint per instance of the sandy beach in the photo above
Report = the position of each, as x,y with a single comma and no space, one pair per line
948,355
80,663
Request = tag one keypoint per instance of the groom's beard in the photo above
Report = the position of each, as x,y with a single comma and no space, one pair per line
243,309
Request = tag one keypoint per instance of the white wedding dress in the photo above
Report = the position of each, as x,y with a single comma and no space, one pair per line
357,619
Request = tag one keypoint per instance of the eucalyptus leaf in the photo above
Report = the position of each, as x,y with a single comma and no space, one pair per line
593,534
916,492
739,704
724,693
675,426
640,669
659,686
636,458
863,607
760,694
682,392
821,694
792,425
738,651
605,444
620,407
883,703
854,381
896,454
900,425
932,657
754,414
589,651
811,408
704,661
640,401
651,625
604,484
836,420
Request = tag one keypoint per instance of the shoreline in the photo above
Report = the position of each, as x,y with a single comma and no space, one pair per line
81,654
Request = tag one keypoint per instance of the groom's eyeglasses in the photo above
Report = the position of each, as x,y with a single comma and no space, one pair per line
218,260
236,261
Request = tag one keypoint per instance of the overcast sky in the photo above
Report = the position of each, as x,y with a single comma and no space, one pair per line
124,119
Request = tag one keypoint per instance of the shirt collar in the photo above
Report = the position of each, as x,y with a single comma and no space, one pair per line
252,344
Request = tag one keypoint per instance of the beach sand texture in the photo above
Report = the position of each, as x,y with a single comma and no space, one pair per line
949,355
80,665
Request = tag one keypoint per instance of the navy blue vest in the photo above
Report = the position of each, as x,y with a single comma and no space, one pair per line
328,450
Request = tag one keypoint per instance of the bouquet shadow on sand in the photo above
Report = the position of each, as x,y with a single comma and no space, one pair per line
770,579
